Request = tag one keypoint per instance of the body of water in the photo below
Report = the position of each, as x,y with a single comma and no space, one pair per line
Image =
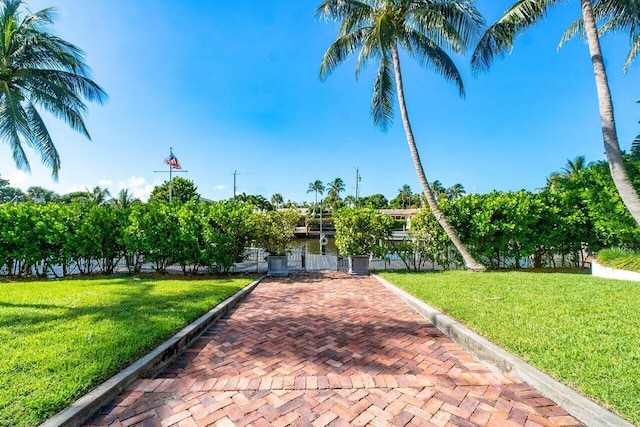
312,245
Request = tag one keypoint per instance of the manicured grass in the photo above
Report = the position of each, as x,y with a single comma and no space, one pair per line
582,330
59,339
619,258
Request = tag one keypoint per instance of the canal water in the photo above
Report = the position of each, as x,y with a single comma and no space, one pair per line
312,245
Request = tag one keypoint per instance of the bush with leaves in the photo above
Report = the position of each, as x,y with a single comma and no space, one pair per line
363,231
275,230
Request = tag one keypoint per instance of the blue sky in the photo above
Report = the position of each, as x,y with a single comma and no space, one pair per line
233,86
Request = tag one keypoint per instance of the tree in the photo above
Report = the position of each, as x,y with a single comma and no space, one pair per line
616,15
183,191
277,200
124,199
405,195
456,191
317,187
98,196
38,69
498,40
41,194
10,194
377,201
574,166
333,195
425,29
438,190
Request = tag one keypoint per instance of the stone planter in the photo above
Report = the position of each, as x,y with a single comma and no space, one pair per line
359,265
277,266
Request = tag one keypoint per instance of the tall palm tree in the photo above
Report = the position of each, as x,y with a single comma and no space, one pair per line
38,69
336,187
124,199
456,191
277,200
317,187
405,195
98,195
498,40
615,15
574,166
438,190
425,29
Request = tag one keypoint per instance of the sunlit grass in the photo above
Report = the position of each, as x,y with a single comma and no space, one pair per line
59,339
582,330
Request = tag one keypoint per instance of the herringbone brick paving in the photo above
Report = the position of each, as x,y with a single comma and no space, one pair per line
328,350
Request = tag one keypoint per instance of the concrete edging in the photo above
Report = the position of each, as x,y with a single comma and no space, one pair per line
150,365
573,402
599,270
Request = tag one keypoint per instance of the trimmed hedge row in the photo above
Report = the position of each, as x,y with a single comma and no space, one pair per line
56,239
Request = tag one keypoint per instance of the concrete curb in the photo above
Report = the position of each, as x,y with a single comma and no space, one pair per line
599,270
148,366
573,402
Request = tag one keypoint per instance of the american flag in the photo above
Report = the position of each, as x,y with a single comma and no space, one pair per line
172,161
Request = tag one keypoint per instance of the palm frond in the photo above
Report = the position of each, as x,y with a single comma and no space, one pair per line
340,50
383,94
13,123
498,39
430,55
39,139
450,24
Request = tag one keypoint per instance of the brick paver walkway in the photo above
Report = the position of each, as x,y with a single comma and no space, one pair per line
328,349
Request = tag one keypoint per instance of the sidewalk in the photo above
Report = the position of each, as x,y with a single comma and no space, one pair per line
328,349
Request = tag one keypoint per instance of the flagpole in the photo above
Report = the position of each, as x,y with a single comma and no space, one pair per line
173,159
170,176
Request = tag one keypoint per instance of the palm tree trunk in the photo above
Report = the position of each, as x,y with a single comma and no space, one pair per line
628,194
469,261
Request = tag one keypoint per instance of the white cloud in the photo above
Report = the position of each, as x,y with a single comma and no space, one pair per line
221,187
138,187
18,178
104,183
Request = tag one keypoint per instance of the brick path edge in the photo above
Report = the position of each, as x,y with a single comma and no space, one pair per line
147,366
581,407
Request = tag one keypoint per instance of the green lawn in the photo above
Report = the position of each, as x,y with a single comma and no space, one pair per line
59,339
582,330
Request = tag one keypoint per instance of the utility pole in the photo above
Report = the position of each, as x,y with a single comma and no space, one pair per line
357,181
234,183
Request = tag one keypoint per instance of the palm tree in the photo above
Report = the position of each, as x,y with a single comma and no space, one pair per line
38,69
98,195
498,40
316,187
405,195
124,199
456,191
425,29
350,200
616,15
336,187
438,190
574,166
277,200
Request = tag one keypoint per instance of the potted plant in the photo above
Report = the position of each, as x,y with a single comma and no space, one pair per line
361,233
276,230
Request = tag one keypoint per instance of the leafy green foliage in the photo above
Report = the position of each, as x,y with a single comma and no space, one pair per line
580,329
182,190
276,229
362,231
59,339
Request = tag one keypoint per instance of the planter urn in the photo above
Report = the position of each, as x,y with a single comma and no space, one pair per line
359,265
277,266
